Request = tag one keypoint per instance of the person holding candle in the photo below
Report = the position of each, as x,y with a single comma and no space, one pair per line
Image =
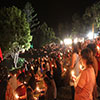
92,46
86,83
74,66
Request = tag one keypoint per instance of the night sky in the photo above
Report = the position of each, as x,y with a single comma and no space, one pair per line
53,11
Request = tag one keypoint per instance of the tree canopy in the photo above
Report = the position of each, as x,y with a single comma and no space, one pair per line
14,30
83,24
44,35
31,16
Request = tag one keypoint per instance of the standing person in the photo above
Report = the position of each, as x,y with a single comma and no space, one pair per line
75,66
51,91
92,46
93,49
86,83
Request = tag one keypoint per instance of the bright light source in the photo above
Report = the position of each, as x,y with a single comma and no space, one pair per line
32,68
95,35
38,89
65,69
98,48
61,42
75,40
73,75
15,75
68,41
81,67
23,50
90,35
16,96
61,54
81,40
72,72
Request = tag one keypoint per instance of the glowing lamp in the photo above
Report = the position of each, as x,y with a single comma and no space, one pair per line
90,35
61,42
75,40
68,41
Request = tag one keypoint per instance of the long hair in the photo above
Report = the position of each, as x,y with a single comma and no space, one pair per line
92,46
87,54
75,48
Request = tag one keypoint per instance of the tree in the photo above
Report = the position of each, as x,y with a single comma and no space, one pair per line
92,16
31,17
14,31
43,35
77,25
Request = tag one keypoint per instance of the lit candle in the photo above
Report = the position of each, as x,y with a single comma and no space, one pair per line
38,89
81,67
65,69
32,68
15,75
8,75
16,96
52,65
73,75
98,48
25,82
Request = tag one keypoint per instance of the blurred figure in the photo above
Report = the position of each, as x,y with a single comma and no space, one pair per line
92,46
75,66
51,92
87,81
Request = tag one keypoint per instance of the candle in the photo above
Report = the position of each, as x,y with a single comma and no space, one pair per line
15,75
65,69
98,48
32,68
73,75
16,96
81,67
38,89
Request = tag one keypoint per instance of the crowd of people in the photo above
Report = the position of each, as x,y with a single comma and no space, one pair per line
53,66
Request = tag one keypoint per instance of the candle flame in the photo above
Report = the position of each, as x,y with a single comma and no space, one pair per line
72,72
65,69
98,47
16,96
37,88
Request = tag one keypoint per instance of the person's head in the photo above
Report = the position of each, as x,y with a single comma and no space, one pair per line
92,46
75,48
49,74
86,57
47,81
32,82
